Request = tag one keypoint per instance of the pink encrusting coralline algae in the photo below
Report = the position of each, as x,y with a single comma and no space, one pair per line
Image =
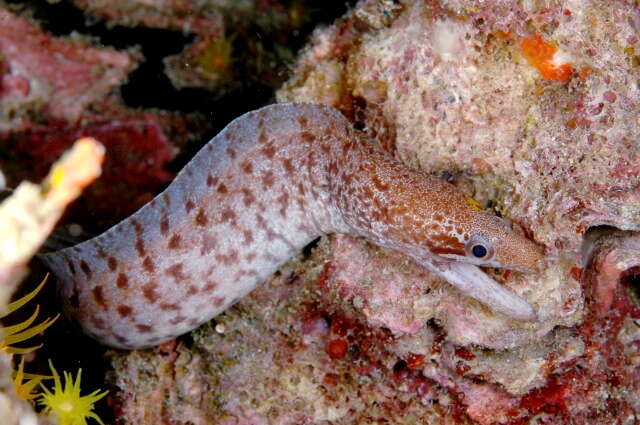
55,78
530,108
54,90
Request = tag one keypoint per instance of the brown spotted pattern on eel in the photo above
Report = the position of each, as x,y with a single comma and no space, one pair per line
268,184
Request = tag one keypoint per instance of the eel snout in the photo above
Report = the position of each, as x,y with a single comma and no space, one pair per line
472,281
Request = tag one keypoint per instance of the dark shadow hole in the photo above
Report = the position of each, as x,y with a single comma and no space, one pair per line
400,366
630,279
308,249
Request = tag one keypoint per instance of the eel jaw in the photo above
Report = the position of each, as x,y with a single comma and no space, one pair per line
473,282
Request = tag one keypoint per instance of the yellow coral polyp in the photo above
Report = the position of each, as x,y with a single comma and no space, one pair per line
25,383
65,403
21,332
216,57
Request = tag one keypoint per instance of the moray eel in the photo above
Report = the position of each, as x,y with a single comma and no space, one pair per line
268,184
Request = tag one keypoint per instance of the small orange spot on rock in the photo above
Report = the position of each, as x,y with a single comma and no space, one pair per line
576,273
540,55
415,361
337,348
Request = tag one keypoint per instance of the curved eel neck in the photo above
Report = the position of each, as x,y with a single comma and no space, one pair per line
272,181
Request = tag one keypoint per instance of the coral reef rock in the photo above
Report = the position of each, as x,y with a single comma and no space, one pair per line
532,109
54,90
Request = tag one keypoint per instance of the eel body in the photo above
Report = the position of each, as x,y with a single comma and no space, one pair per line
268,184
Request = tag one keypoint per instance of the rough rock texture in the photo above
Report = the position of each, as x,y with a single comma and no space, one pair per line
450,79
175,14
234,41
54,78
54,90
531,107
283,355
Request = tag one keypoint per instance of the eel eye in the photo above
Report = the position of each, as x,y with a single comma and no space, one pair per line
479,251
479,248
